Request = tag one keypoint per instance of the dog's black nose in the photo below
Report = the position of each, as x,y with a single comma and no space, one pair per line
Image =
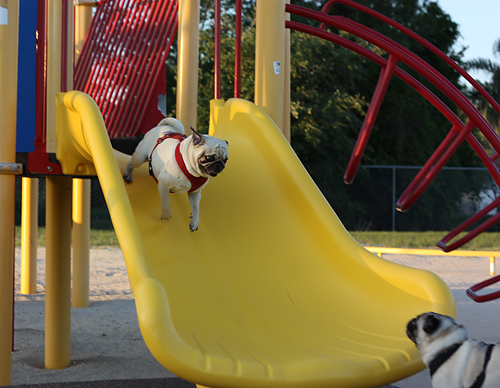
218,167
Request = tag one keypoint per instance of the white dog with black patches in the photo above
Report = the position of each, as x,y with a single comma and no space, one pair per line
179,164
454,360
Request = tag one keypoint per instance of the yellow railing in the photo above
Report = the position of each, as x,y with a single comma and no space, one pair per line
437,252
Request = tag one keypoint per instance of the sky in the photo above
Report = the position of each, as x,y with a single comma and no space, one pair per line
479,26
3,16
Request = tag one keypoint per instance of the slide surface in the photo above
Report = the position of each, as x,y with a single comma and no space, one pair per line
271,291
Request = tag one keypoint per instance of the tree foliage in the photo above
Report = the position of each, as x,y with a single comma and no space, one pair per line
331,90
492,86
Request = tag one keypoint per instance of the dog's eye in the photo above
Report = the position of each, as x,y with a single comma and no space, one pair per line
209,158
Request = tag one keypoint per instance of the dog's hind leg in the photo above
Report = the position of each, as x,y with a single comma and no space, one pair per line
138,157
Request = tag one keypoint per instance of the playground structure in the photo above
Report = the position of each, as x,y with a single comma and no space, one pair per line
272,291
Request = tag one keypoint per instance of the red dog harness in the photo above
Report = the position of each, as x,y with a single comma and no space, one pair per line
196,182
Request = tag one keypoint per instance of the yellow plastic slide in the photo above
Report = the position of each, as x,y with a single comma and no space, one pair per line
271,291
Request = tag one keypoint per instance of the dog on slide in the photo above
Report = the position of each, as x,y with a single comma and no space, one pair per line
179,164
454,360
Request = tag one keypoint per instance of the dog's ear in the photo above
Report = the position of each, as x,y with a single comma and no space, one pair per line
198,139
431,324
227,143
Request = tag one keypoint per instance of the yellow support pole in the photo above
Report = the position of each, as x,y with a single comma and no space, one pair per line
81,242
437,252
187,69
58,206
54,41
83,18
70,44
9,24
286,98
58,273
81,193
270,58
29,235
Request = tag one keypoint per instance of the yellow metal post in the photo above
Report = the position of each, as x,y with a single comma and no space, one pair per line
81,193
437,252
187,69
286,97
58,206
270,58
70,44
29,235
83,18
81,242
9,22
54,41
58,273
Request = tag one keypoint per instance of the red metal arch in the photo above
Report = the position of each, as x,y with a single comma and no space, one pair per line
471,292
458,133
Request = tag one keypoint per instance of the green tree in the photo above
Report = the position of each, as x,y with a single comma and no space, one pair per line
408,128
492,86
327,112
331,90
406,133
206,64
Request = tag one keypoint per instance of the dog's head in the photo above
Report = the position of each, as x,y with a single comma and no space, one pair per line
211,154
434,330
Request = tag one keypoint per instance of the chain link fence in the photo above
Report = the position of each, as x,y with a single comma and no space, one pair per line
452,197
367,204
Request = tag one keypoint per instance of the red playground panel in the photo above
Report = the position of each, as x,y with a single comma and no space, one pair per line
122,66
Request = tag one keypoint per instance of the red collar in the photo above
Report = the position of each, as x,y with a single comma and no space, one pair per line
196,182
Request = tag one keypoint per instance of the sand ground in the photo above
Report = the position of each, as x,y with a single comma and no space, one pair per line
107,344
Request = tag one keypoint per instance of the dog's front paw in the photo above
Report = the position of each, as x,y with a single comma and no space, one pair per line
166,214
127,175
194,224
128,178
